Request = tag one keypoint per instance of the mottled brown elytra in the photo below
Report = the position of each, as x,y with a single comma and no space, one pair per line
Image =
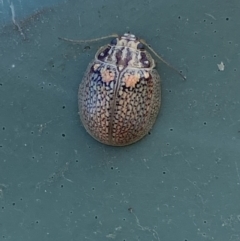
120,95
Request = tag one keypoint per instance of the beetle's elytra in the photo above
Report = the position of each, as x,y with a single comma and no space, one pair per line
120,95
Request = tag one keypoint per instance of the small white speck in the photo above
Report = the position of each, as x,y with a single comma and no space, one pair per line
112,236
13,65
221,66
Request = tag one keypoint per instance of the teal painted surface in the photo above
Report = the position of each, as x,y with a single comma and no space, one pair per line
182,182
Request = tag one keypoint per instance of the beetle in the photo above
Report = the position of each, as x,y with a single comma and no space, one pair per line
120,95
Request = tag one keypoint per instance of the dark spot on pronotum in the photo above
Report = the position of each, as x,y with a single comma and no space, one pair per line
227,19
114,41
140,46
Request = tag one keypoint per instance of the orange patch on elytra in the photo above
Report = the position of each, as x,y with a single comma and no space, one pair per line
107,75
131,79
95,66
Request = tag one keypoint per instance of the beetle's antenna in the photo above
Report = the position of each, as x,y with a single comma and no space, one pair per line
89,40
164,61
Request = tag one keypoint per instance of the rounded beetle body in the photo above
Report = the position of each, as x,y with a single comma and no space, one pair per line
120,95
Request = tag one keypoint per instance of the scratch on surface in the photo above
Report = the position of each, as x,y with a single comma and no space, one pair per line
237,173
145,162
113,235
210,15
79,20
193,183
153,231
2,187
55,176
59,173
14,21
